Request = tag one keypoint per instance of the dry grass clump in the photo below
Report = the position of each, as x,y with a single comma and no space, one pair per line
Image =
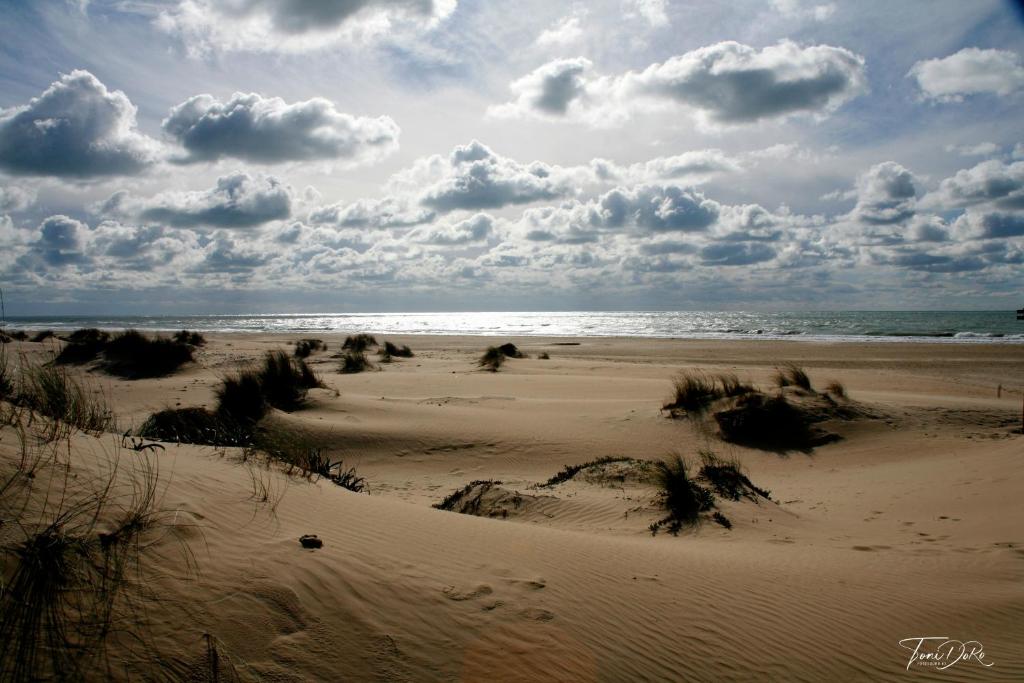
836,389
71,555
510,350
770,422
461,501
727,478
694,391
130,354
353,362
396,351
305,347
285,381
51,392
190,338
42,336
7,336
683,499
492,359
543,356
195,425
569,471
792,375
359,343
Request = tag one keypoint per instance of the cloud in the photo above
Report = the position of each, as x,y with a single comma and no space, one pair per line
268,130
474,177
985,225
736,254
296,25
990,182
967,72
727,83
795,9
886,194
565,31
651,11
14,198
472,230
77,129
982,149
239,200
371,213
61,241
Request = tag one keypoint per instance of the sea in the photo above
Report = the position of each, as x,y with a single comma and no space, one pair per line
955,327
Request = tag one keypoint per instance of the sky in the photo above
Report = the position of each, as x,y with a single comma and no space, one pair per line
237,156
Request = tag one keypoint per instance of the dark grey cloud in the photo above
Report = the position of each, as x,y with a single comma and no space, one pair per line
61,241
268,130
932,262
990,225
76,128
239,200
736,254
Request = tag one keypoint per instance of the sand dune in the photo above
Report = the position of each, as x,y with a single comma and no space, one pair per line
908,526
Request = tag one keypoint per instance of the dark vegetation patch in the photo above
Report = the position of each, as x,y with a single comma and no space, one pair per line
836,389
6,375
468,499
792,375
359,342
773,423
510,350
543,356
13,335
42,336
694,392
727,479
683,498
189,337
50,391
336,472
196,426
4,338
130,354
353,362
390,349
570,471
305,347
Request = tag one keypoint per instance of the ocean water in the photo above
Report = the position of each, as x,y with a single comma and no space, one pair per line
941,326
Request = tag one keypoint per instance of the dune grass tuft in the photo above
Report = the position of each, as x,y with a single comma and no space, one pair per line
305,347
836,388
792,375
353,362
766,422
6,375
492,359
42,336
460,500
727,478
683,499
51,392
694,391
132,354
359,343
194,425
190,338
396,351
569,471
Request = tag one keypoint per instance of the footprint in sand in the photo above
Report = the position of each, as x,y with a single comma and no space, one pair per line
537,614
453,593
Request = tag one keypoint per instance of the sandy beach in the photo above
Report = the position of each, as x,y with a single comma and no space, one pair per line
907,526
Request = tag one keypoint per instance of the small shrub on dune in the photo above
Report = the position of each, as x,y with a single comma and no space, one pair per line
492,359
82,346
336,472
42,336
15,335
766,422
4,338
353,362
284,381
359,342
727,478
544,356
240,398
190,338
792,375
460,500
196,426
511,351
693,391
132,354
684,499
570,471
836,389
305,347
732,385
396,351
